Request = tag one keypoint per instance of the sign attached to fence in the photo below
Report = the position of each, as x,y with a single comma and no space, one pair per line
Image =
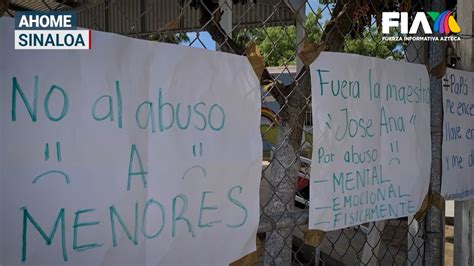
131,153
458,132
372,146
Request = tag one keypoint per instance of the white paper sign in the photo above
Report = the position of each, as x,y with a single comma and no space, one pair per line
371,151
133,153
458,132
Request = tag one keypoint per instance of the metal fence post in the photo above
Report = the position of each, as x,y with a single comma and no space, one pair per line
434,222
462,233
299,7
463,210
416,53
227,17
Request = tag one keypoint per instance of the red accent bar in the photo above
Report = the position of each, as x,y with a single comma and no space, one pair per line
90,39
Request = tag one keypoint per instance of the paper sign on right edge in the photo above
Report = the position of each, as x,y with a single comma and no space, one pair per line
458,135
372,144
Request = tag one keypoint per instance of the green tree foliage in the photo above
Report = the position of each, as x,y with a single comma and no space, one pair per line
277,44
371,44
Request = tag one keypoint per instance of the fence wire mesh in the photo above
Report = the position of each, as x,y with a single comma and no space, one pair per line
279,28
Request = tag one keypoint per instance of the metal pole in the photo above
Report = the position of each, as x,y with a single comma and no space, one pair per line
299,6
416,53
434,222
463,210
226,19
462,233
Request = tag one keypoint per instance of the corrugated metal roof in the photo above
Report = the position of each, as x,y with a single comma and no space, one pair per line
34,5
151,16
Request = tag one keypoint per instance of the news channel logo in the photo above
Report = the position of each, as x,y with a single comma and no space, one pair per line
444,28
54,30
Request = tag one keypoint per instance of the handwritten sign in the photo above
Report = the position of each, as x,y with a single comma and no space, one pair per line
372,148
458,132
133,153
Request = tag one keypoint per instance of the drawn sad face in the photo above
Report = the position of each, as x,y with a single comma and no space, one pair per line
54,172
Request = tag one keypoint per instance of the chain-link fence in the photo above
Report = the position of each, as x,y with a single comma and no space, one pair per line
281,29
